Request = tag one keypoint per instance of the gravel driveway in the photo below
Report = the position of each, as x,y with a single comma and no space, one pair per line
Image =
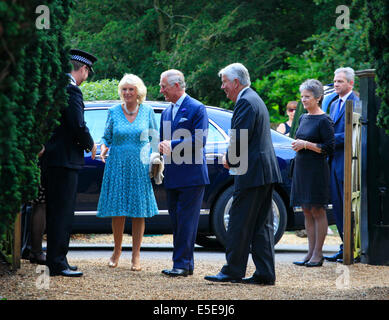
332,281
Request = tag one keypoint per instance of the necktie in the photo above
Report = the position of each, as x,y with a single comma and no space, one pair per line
337,111
175,109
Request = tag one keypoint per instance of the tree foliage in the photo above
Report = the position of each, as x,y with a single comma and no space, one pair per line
378,12
282,86
198,37
328,51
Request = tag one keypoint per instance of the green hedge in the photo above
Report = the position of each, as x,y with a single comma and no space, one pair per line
33,63
107,89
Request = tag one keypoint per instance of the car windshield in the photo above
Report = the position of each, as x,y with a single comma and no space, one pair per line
96,118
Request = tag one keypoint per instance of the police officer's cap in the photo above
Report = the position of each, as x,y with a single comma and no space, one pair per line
83,57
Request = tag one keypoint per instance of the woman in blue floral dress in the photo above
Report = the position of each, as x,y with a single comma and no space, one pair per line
130,130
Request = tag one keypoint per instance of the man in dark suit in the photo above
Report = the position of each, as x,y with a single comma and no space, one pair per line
343,85
183,133
256,171
64,157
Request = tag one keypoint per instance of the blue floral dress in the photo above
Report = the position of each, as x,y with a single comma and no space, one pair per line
127,189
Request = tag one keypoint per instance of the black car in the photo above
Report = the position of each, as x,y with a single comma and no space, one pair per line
218,194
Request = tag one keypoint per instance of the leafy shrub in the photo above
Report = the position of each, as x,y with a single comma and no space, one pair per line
282,86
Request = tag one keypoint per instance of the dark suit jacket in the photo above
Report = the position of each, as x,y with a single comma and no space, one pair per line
337,160
69,140
191,116
251,114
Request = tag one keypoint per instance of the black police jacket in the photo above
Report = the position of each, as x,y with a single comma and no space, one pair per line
69,140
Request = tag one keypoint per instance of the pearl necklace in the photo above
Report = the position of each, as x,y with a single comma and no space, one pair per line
130,113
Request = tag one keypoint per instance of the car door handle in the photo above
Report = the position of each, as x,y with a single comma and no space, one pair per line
300,209
98,156
212,157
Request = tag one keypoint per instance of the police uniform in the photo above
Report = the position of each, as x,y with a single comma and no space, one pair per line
64,157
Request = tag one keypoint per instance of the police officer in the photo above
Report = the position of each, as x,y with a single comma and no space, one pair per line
64,157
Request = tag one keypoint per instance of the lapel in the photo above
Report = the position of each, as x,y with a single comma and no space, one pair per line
180,112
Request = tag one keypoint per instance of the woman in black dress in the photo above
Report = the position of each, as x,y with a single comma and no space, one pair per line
311,176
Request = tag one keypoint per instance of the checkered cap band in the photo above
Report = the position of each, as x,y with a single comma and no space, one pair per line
81,59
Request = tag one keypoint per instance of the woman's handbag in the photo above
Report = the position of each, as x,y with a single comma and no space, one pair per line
156,167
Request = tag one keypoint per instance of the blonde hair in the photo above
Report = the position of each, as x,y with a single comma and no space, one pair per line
134,80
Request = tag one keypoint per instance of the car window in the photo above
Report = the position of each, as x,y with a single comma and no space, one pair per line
95,120
214,134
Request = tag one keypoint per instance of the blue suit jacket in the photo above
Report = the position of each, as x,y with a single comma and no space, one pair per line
187,166
337,160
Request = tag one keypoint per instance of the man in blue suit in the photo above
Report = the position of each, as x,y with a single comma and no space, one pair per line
183,133
343,85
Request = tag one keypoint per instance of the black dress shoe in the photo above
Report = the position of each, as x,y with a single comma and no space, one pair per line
336,256
73,268
300,263
315,264
175,272
254,279
38,258
221,277
66,273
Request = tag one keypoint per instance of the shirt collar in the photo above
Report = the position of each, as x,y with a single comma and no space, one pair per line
241,92
179,101
72,80
344,98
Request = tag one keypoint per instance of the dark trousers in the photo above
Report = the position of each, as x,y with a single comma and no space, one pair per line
60,204
251,228
337,200
337,203
184,206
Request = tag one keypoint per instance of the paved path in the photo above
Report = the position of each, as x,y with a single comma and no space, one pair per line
284,252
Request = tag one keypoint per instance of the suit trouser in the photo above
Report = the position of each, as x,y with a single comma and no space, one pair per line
60,205
184,206
251,227
337,201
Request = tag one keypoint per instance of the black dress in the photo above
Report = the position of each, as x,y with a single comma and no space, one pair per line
311,173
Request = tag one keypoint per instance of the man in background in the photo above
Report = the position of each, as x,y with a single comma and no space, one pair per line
343,85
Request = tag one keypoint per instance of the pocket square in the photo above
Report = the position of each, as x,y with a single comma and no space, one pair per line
183,120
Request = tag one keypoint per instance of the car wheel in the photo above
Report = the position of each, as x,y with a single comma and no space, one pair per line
221,215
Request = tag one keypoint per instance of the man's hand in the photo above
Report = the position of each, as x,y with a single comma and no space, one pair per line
40,154
164,147
94,149
225,163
